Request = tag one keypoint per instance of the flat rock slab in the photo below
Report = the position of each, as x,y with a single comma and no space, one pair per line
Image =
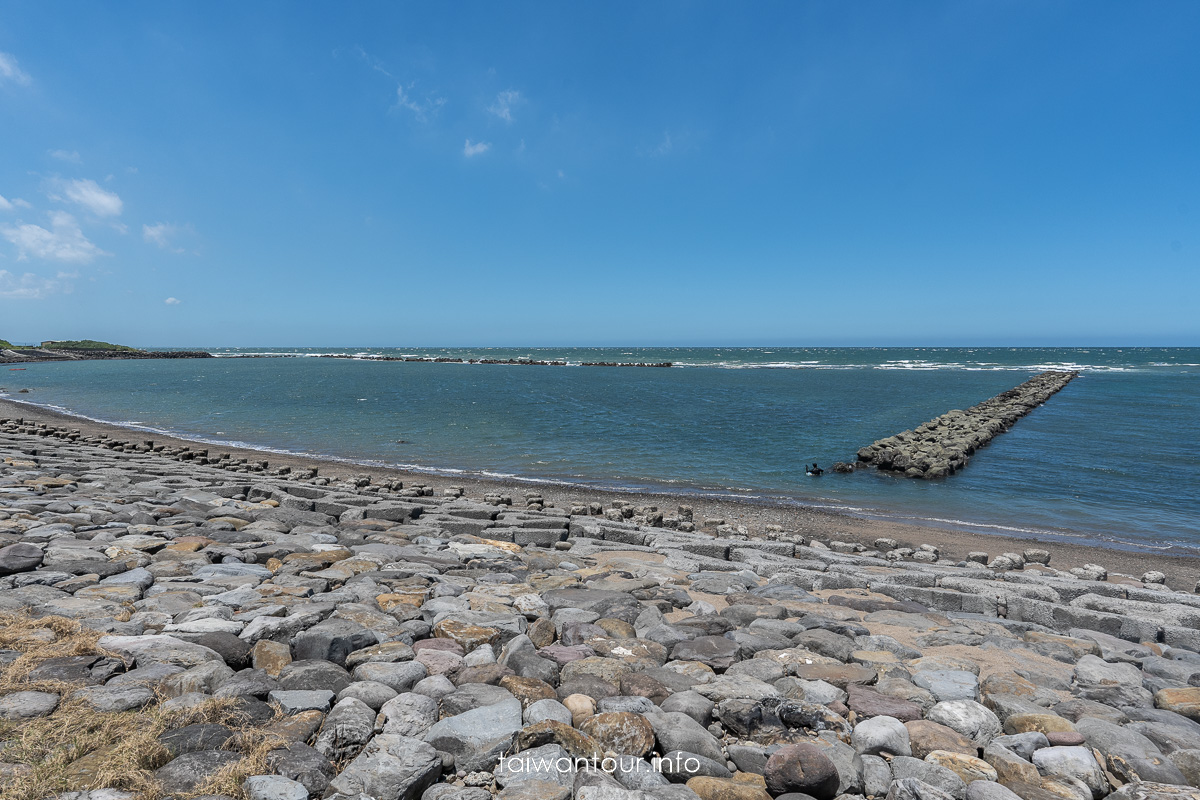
27,705
298,700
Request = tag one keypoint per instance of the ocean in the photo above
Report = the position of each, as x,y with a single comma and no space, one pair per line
1113,459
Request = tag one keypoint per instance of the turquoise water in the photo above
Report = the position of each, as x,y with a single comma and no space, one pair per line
1110,459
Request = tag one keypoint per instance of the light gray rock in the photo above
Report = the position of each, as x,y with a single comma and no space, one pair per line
548,763
296,700
1130,755
121,697
638,774
968,718
881,735
915,789
1024,744
675,730
474,736
159,648
273,787
948,684
346,729
409,714
400,676
373,693
989,790
1112,684
1072,762
695,705
934,775
547,709
392,767
877,776
27,705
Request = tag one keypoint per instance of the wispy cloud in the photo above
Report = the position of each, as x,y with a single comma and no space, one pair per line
16,202
34,287
664,147
9,71
505,102
163,235
69,156
63,241
478,148
89,195
172,301
422,108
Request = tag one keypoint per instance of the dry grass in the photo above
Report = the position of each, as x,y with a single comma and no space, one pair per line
78,747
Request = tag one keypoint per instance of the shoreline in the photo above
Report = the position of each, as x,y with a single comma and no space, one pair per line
1183,571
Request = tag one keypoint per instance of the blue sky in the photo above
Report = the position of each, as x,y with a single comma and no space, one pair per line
610,173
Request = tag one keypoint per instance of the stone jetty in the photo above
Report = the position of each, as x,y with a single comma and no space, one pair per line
36,354
179,628
944,445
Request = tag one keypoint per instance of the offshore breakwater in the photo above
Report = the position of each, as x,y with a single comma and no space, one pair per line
945,444
521,361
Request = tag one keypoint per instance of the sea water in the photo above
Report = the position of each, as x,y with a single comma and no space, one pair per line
1112,459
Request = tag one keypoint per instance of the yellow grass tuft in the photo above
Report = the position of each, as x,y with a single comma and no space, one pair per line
77,747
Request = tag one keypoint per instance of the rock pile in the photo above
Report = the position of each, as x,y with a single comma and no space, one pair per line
407,646
944,445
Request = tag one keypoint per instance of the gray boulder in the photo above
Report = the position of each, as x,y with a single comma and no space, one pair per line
1130,755
390,766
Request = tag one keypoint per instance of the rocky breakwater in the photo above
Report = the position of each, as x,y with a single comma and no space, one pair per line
944,445
396,647
37,354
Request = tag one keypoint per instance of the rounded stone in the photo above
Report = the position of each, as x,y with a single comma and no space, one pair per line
373,693
968,718
926,736
801,768
581,707
881,735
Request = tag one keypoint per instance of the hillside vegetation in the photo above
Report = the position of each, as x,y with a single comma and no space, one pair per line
87,344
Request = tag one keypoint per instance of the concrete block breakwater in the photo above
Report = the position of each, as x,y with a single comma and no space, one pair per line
519,362
944,445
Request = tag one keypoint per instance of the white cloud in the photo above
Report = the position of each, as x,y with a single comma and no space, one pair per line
172,301
479,148
64,241
163,234
87,193
34,287
505,102
421,109
70,156
4,204
9,71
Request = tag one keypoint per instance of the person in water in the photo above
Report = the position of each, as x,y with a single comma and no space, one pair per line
815,470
